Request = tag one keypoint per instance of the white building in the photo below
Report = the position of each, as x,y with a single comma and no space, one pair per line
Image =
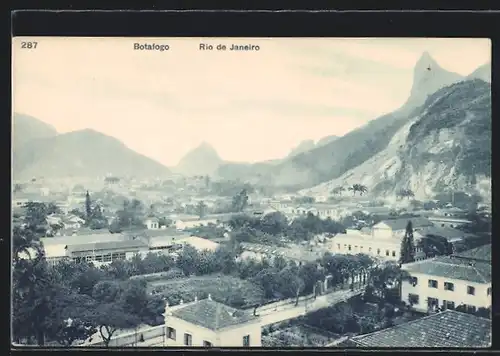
207,323
383,241
152,223
106,252
55,247
446,282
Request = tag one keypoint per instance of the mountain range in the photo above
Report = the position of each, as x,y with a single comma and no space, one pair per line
39,151
426,145
446,145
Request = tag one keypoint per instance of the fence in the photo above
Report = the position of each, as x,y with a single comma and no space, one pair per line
133,338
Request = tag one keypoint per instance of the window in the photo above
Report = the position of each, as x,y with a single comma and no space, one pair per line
432,302
349,247
393,253
98,258
471,309
387,252
369,249
246,340
471,290
207,343
447,304
355,247
106,258
413,281
170,333
118,256
89,258
449,286
188,339
413,299
489,291
338,246
361,248
378,251
433,283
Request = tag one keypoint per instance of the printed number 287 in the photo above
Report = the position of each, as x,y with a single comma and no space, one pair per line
29,45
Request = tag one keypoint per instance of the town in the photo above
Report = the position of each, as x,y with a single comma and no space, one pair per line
197,268
340,198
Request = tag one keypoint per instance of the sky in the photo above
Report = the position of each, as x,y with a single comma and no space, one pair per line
250,106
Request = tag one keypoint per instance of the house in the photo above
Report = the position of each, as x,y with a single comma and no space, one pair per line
106,252
391,228
72,222
200,243
448,329
55,247
446,282
207,323
448,221
152,223
450,234
356,241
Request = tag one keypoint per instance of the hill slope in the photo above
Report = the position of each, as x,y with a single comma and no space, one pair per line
203,160
334,159
446,145
26,128
84,153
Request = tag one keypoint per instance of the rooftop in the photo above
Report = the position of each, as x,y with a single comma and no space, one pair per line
82,239
400,224
212,315
448,233
453,267
446,329
106,245
481,253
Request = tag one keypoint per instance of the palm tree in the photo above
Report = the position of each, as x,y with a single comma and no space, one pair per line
354,188
362,189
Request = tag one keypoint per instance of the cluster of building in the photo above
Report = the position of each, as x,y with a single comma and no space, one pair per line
104,247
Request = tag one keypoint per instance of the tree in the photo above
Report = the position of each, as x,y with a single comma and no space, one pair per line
432,245
338,190
274,223
188,260
52,208
88,207
36,218
207,182
201,209
110,317
240,201
97,219
407,246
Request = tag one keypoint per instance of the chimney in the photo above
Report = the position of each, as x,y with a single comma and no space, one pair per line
209,296
167,309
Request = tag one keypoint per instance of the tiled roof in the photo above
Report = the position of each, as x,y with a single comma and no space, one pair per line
106,246
212,315
447,329
454,268
446,232
83,239
400,224
482,253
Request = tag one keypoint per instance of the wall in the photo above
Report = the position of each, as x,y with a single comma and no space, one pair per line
197,332
233,337
459,295
131,338
227,337
366,245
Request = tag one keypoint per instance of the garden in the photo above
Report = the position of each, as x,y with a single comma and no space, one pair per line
227,289
296,336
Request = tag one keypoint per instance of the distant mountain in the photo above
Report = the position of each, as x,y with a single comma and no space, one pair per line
26,128
326,140
445,145
483,73
84,153
203,160
428,77
330,161
302,147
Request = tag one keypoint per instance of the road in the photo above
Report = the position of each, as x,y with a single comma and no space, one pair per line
291,311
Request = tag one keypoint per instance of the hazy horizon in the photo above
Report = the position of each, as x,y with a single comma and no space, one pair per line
252,106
